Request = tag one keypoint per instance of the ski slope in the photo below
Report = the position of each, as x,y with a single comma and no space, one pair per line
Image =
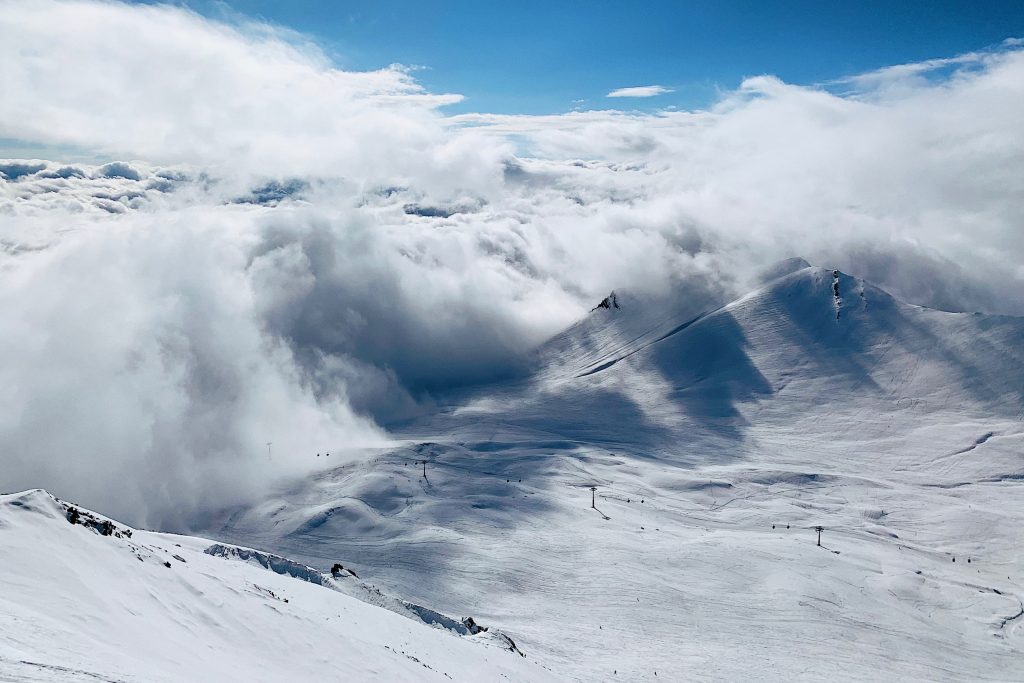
78,604
717,438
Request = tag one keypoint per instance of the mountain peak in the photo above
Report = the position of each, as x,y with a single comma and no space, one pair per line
609,302
782,268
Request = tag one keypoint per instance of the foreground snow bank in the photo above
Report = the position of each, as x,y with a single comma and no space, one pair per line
94,600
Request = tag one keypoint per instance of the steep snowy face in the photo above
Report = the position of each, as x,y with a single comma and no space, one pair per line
794,290
626,323
620,324
86,598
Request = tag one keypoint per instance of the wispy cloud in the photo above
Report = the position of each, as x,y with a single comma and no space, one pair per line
640,91
911,73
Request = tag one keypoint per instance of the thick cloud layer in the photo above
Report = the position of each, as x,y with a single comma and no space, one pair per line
283,251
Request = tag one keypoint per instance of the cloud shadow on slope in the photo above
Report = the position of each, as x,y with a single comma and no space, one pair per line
411,534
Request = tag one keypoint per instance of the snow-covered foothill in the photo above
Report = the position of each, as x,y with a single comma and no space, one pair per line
85,598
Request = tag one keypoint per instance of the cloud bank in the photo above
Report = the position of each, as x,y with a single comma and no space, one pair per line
280,250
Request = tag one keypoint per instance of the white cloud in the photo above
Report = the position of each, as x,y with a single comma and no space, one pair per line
310,253
161,83
640,91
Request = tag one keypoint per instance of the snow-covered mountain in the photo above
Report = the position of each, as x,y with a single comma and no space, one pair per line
715,438
93,600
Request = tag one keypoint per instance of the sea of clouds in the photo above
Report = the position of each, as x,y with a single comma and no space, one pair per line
241,243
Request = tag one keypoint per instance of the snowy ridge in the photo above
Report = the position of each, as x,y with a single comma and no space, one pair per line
345,581
612,332
86,601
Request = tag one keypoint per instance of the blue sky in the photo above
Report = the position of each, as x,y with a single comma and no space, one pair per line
547,57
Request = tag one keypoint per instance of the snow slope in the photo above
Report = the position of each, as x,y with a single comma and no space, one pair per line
717,439
80,605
